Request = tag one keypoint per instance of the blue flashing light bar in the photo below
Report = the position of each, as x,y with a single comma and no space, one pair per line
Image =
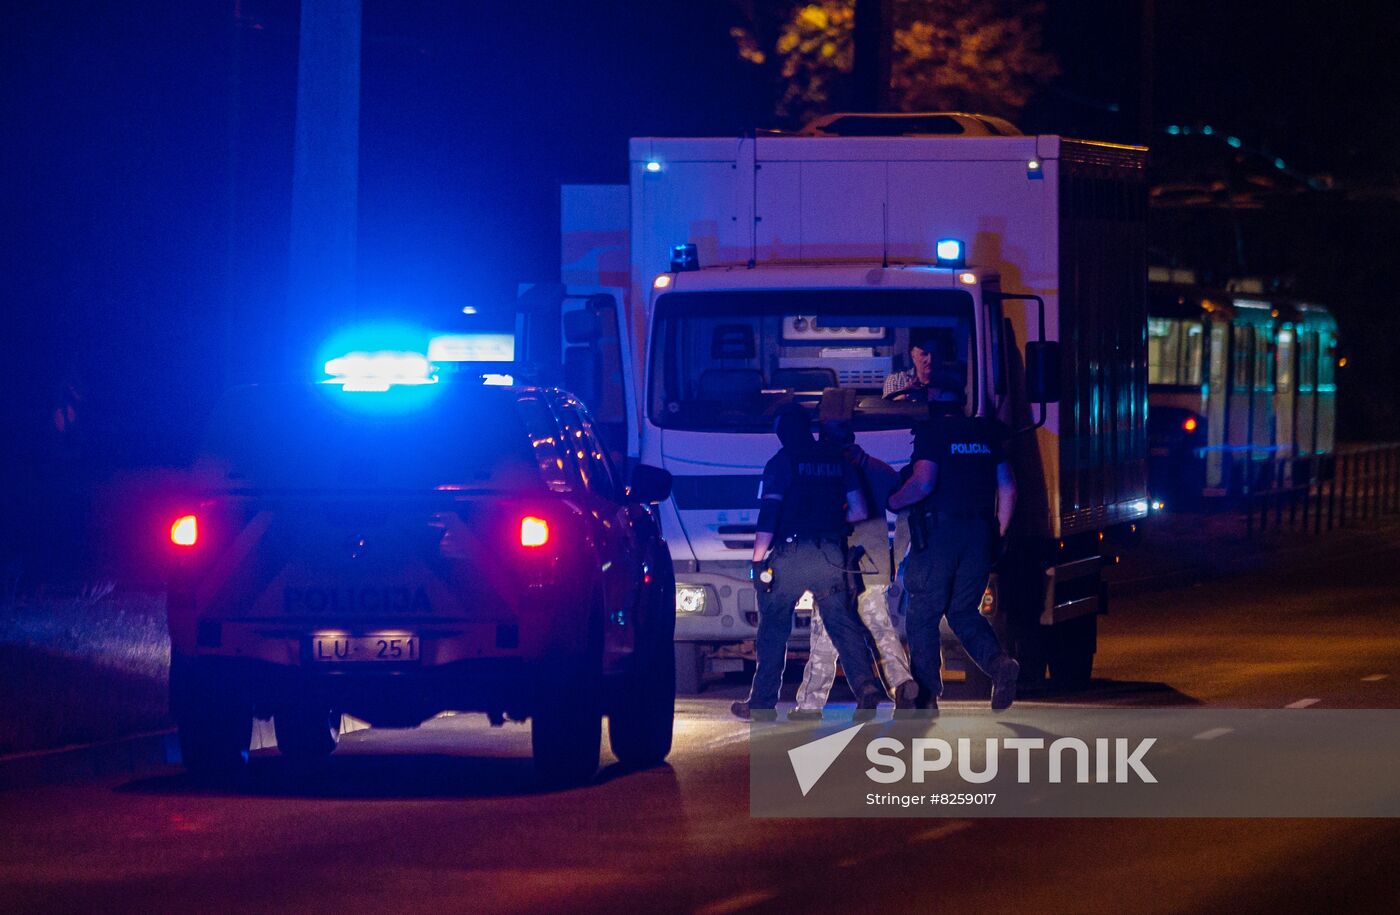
685,257
949,252
379,371
471,348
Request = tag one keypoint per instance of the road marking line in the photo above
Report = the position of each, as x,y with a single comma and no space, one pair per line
1374,677
940,832
1303,703
727,739
736,903
1212,733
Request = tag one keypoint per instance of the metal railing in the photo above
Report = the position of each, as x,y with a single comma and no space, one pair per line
1321,492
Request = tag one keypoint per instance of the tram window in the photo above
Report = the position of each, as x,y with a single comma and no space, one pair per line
1192,353
1239,357
1174,352
1327,365
1161,355
1307,360
1285,361
1263,363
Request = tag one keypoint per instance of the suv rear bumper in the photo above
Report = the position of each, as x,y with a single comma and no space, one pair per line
289,642
403,696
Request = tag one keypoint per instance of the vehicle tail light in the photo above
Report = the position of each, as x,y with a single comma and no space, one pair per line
1189,424
185,531
533,531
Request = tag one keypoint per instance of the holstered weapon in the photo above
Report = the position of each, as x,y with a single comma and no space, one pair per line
853,559
762,575
918,529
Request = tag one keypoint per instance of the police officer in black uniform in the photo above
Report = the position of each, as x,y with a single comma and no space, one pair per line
810,494
960,497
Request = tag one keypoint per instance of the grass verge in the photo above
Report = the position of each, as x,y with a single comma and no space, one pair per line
81,668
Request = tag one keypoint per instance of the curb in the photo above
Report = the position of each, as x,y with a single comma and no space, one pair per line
123,756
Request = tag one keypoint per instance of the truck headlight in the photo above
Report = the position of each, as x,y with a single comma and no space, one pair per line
690,598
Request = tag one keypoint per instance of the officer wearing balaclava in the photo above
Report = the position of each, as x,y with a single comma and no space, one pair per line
808,496
872,538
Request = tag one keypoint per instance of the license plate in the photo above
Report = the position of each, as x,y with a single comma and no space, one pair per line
384,648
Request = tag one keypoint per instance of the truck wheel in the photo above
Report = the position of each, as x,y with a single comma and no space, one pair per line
566,732
690,666
641,724
306,731
215,728
1072,646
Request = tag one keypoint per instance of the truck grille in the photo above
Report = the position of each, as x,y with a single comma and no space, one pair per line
722,492
728,534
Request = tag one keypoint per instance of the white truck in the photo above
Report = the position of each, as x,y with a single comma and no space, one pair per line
733,275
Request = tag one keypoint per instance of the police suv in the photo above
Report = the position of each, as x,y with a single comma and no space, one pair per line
400,550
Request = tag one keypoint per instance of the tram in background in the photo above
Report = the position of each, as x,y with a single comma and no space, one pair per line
1241,389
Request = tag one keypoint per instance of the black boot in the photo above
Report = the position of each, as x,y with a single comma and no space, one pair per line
869,700
918,709
1004,673
742,709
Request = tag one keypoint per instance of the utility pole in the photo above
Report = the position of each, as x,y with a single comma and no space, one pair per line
325,178
1146,70
872,34
232,286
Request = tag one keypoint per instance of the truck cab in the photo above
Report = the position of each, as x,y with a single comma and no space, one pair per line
731,346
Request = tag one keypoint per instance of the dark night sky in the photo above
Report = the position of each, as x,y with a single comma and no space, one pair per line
123,253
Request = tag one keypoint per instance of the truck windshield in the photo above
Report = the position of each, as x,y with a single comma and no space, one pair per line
727,361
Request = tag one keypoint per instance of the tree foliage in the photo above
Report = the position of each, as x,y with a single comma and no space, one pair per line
964,55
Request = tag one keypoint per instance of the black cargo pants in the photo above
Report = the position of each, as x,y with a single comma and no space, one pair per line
948,577
817,566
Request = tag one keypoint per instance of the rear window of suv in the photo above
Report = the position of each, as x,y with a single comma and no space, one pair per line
319,437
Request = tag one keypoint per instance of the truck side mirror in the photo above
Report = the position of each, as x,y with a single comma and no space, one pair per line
649,484
581,327
1043,371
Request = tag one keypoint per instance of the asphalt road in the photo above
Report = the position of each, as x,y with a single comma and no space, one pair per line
446,816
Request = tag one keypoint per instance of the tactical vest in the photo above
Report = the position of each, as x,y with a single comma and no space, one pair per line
967,478
815,503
